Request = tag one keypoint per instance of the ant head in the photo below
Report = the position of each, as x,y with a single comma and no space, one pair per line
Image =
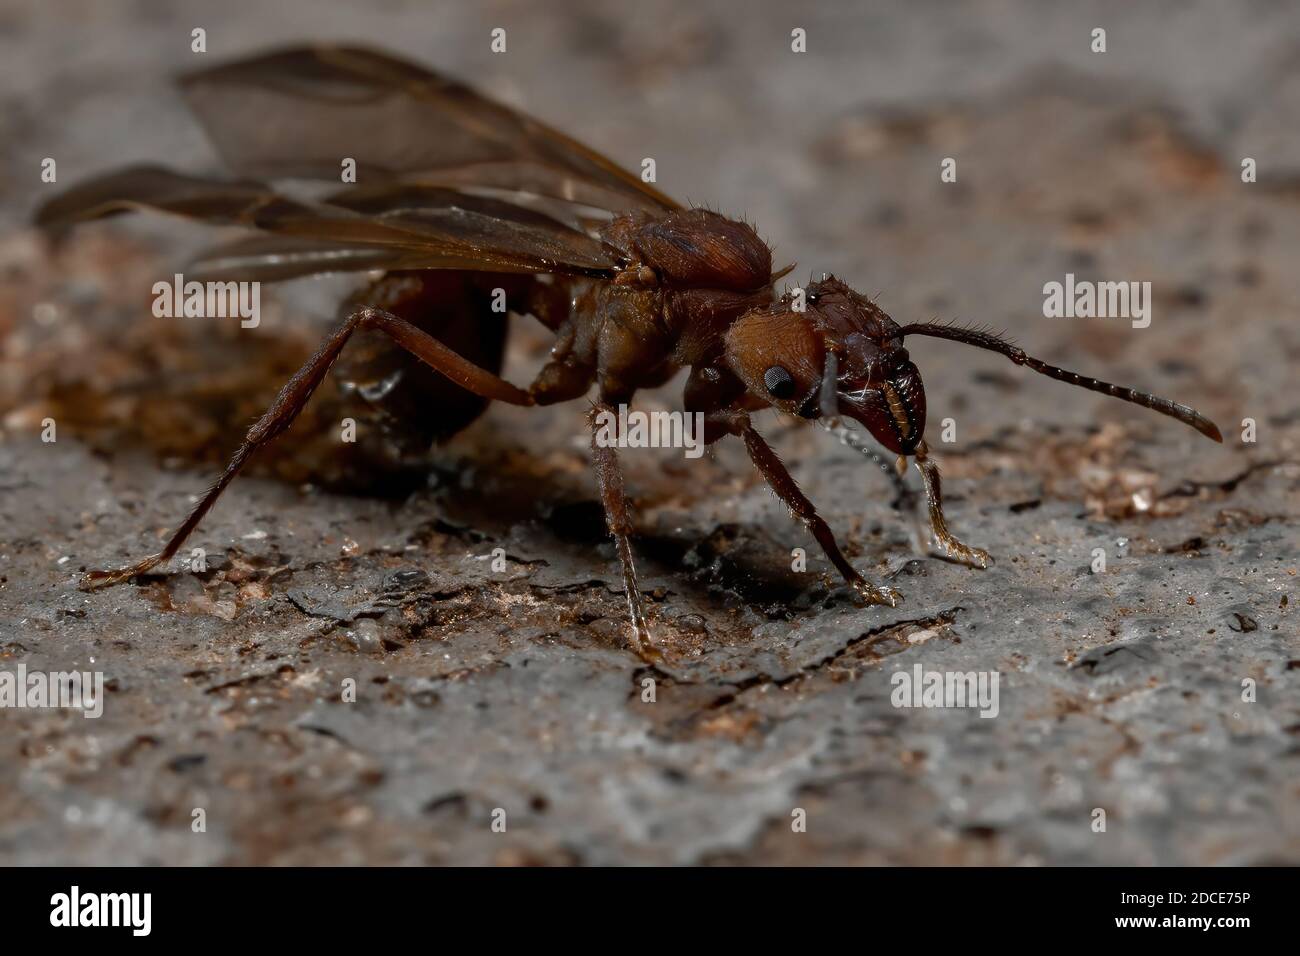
838,355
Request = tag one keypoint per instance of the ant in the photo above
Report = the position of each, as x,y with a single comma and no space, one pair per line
631,298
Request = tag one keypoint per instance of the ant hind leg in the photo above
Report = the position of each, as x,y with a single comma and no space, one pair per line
293,398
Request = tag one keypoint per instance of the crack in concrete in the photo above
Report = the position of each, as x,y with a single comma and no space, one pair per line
1188,487
942,619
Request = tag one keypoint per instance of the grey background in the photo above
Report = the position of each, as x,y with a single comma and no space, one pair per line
1120,691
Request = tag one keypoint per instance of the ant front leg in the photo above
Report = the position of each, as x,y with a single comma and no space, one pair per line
976,557
293,398
905,499
779,480
609,476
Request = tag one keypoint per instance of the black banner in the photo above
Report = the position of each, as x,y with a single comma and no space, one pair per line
937,905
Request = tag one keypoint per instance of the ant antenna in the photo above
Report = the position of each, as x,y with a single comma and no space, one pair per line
986,340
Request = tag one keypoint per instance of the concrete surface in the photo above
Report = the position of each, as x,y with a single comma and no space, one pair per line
478,690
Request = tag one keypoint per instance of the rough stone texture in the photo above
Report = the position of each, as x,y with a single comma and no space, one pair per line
482,690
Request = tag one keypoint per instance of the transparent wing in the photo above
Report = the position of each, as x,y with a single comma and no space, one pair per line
424,228
297,113
265,258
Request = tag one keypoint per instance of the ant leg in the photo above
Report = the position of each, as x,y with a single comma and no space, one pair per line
976,557
293,398
780,481
609,476
905,499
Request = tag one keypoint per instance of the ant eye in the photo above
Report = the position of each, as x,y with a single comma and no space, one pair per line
778,382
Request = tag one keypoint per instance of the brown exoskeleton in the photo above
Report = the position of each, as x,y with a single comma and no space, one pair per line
632,298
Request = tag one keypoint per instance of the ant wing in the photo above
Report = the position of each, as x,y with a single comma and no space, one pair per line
299,112
271,258
266,258
403,197
152,187
428,229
